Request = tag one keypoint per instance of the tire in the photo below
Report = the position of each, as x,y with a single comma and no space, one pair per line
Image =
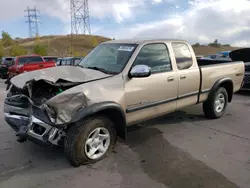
209,107
75,142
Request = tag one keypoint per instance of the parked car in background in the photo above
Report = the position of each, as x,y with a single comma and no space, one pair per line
50,58
69,61
199,56
120,83
225,53
58,62
243,55
6,63
216,57
28,63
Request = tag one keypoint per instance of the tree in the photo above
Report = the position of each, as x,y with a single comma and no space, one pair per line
196,44
94,42
6,38
215,43
84,53
76,54
40,49
1,49
16,50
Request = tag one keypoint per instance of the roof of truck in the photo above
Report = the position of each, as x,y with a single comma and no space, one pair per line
140,41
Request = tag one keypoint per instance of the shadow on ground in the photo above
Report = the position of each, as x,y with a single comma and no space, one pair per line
170,165
167,164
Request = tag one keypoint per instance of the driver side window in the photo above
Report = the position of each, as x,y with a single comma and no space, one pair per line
155,56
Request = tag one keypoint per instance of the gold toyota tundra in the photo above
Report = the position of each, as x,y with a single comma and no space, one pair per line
118,84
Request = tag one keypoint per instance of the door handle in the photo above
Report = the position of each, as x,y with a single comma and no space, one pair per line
183,76
170,79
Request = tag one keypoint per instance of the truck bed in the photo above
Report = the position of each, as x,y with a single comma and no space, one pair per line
205,62
213,70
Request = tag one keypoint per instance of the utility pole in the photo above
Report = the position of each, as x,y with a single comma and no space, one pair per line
32,15
80,22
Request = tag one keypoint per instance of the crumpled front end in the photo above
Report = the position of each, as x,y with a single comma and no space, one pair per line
42,109
29,118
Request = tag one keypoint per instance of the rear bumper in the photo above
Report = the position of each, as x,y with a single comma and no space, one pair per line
29,127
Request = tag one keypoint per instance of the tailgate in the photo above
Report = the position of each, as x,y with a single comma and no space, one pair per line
213,73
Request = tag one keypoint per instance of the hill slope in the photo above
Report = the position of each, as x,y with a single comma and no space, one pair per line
60,44
81,44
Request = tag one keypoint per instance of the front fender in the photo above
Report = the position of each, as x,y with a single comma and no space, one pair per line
111,109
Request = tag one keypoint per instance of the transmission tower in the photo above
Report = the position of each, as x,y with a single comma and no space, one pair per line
33,21
80,23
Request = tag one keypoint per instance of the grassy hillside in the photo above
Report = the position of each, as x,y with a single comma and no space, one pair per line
81,44
60,44
206,50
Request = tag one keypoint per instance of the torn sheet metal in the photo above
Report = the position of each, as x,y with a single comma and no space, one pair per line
66,104
67,73
62,103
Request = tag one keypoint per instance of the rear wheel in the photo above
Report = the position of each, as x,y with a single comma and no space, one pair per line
215,105
90,140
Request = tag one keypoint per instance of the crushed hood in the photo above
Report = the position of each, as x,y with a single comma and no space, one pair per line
54,74
240,55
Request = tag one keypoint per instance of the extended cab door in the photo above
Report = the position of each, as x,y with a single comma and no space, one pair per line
188,74
154,95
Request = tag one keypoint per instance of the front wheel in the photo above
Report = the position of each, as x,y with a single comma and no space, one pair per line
215,105
90,140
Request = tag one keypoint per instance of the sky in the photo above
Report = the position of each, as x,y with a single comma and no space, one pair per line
200,21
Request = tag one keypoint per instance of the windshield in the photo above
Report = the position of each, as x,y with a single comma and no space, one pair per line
32,59
109,58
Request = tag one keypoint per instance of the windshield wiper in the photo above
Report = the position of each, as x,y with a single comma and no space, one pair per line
101,69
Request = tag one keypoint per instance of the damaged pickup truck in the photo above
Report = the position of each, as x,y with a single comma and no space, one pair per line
118,84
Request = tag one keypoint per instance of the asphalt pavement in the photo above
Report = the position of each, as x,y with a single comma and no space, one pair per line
180,150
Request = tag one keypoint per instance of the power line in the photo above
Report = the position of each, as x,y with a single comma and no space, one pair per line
33,21
80,23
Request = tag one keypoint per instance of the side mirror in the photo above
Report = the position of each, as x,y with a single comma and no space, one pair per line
140,71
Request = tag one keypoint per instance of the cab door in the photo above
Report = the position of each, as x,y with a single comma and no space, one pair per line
188,75
155,95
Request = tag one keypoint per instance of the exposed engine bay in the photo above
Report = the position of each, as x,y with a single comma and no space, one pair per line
37,93
41,91
42,104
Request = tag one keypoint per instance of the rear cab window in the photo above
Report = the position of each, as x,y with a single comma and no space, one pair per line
183,55
30,60
48,59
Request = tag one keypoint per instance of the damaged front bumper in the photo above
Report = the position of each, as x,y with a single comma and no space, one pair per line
26,121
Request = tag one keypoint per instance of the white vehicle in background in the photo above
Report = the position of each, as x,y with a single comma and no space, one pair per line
216,57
